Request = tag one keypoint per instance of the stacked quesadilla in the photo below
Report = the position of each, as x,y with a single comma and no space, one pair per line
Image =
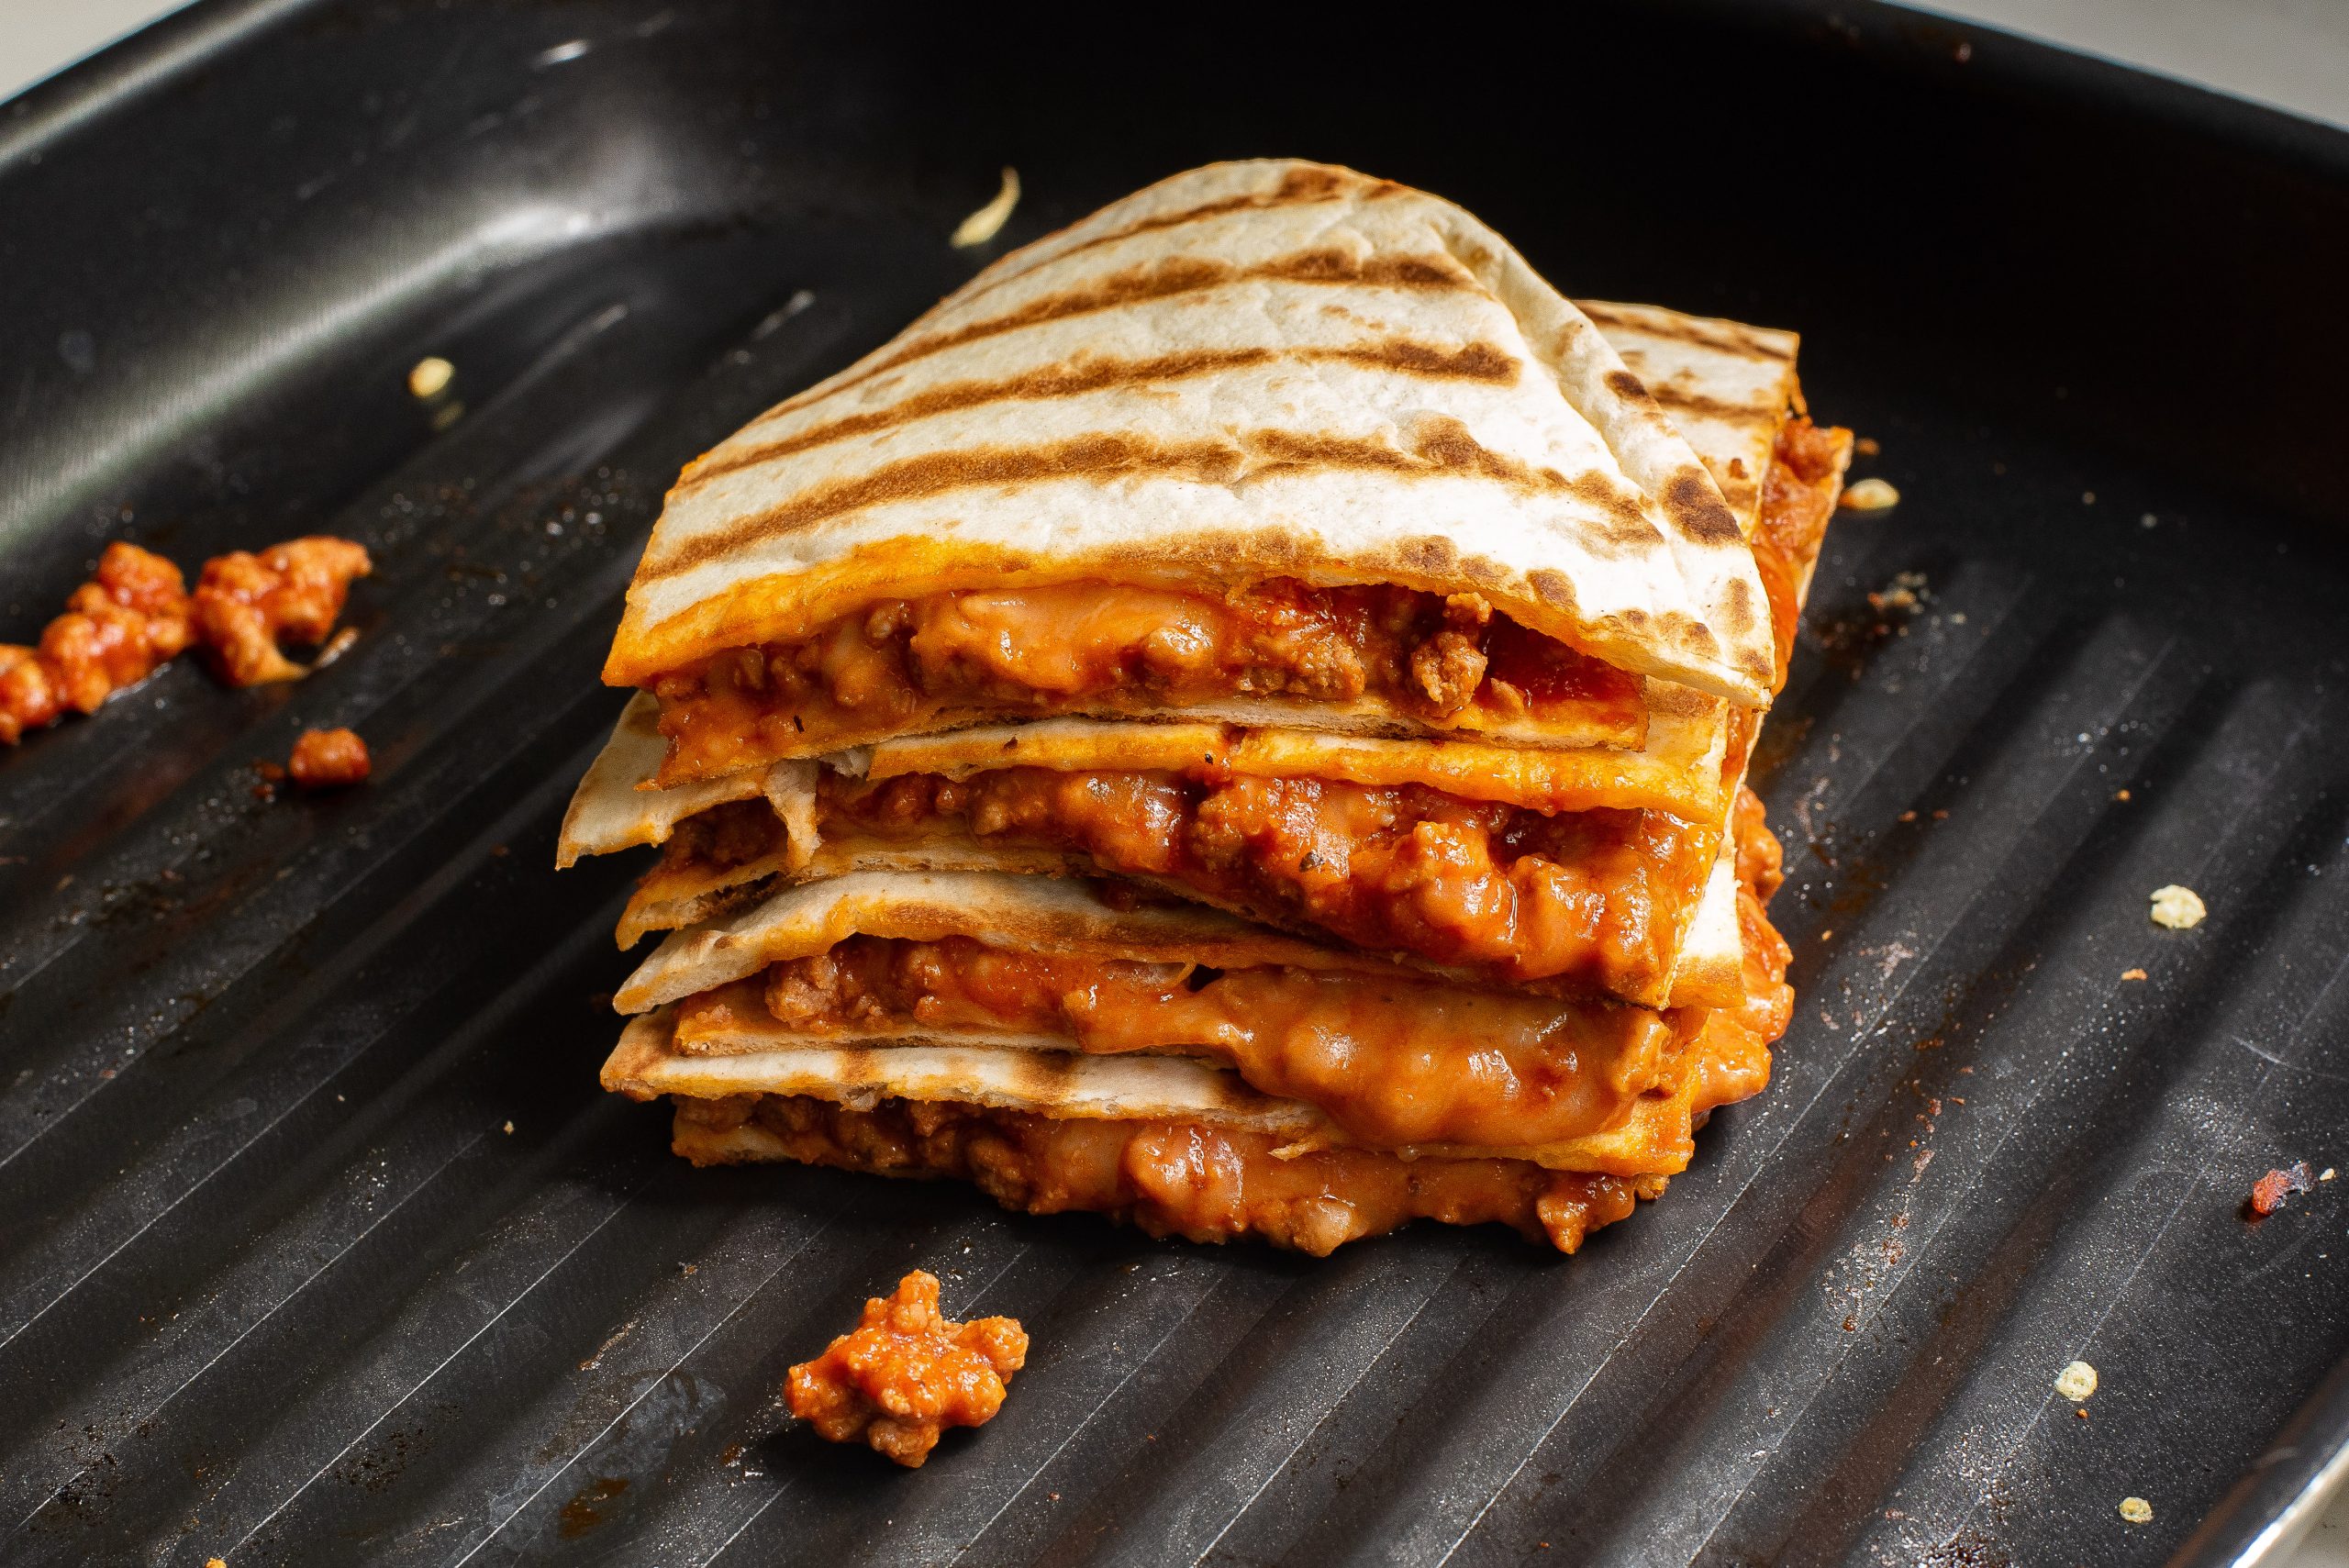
1235,720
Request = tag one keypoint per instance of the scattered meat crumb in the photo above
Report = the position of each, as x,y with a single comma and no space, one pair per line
118,627
329,758
245,602
2136,1510
2269,1194
1869,496
2133,974
906,1374
1908,816
2077,1382
2179,908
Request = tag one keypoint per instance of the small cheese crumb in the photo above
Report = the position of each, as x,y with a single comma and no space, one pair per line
2136,1510
987,222
2121,795
2133,974
431,377
1870,495
510,1127
2077,1382
2179,908
2329,1174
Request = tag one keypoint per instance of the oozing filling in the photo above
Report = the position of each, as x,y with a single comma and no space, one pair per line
1596,899
1392,1060
1097,647
1169,1178
1211,1184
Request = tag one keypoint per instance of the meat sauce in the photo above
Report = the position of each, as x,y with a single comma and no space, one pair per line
1395,1062
245,604
330,759
116,630
1093,647
1169,1178
137,613
1215,1184
1594,899
906,1374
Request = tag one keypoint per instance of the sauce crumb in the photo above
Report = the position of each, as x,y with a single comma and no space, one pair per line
906,1374
244,602
2269,1194
118,627
329,758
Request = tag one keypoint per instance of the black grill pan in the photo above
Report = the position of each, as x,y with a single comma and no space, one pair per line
319,1244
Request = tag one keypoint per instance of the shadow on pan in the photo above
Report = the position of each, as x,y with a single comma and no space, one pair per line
278,1284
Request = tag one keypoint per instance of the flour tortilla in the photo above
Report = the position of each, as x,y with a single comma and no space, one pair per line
1254,370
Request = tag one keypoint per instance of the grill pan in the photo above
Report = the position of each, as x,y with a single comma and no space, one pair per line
318,1242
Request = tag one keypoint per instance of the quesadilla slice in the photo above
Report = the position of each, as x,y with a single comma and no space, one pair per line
1236,719
1267,440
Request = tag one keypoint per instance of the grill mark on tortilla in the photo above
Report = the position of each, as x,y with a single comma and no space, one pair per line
1694,502
1724,336
1174,276
1441,447
1681,401
1404,356
1299,187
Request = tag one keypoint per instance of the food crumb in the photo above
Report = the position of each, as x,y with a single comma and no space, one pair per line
244,602
2179,908
2269,1194
1867,446
906,1374
2133,974
1869,496
2136,1510
430,376
2076,1381
1908,816
987,222
329,758
509,1129
2329,1172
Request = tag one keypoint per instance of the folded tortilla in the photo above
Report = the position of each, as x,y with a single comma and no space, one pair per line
1252,372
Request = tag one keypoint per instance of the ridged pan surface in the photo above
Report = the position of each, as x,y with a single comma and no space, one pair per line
319,1244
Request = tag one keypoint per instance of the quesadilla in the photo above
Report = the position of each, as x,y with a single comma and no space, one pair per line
1256,677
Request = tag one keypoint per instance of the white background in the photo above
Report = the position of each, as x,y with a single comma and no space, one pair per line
2291,53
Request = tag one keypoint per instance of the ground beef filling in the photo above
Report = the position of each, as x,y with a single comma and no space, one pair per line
906,1374
1096,647
1798,498
1213,1184
1594,898
1169,1178
1393,1061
